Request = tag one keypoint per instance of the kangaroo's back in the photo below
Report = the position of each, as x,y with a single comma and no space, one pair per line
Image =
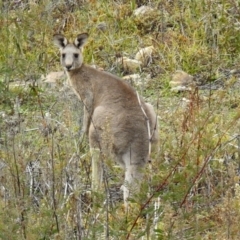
107,88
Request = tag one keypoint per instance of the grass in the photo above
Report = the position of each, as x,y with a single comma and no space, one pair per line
192,186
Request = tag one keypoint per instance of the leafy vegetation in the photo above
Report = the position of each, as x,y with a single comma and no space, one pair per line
191,188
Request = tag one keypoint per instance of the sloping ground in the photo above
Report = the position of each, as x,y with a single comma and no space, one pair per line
191,189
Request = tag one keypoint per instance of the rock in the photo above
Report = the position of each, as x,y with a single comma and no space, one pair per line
181,89
102,26
53,77
136,79
133,79
144,55
181,81
128,64
97,67
143,11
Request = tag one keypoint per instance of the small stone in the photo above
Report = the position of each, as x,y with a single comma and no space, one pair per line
128,64
144,55
143,11
102,26
181,81
53,77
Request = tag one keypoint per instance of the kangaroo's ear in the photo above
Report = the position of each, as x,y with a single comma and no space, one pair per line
59,40
81,39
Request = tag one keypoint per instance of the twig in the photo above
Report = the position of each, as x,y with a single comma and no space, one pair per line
238,142
159,188
53,185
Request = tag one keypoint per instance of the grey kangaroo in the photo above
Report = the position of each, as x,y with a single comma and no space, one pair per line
117,121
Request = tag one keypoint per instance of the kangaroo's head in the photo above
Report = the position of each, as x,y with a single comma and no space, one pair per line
71,53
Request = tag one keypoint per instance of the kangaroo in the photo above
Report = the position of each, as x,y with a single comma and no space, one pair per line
117,121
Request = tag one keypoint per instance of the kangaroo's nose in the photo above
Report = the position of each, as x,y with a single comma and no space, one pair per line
68,67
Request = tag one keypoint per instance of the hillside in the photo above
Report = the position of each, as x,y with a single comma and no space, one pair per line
181,56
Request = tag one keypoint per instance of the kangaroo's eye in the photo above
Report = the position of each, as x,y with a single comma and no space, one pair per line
63,55
76,55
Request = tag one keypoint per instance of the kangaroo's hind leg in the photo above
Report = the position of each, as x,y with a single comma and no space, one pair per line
97,171
133,176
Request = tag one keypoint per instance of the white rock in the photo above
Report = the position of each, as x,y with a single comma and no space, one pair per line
180,89
136,79
53,77
143,11
144,55
128,64
181,81
97,67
